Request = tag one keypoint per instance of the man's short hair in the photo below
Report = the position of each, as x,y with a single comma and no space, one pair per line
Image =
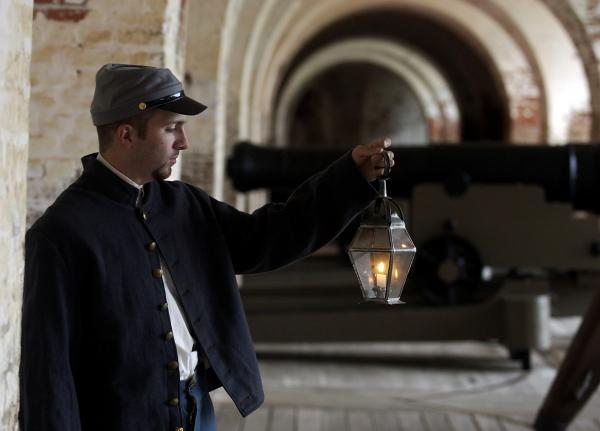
106,132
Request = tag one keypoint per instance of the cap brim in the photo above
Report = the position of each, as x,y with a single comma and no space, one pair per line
184,106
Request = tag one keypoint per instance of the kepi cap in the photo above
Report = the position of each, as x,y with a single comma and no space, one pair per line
125,90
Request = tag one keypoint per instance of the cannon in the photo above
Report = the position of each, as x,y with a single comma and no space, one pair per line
500,231
569,173
474,209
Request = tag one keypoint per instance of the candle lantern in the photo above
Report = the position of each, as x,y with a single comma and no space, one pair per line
382,250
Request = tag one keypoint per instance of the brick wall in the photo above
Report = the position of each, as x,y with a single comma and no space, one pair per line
71,40
588,13
15,56
205,21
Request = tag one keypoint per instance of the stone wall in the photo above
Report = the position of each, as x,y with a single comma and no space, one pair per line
15,57
583,23
205,20
71,40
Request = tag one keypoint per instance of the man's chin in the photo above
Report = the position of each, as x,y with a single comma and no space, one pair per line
163,173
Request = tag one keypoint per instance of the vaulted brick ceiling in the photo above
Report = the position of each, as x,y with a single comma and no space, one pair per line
470,73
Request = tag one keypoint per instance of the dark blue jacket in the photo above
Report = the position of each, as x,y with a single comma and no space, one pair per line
94,352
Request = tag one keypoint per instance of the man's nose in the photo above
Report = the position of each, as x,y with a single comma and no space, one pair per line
181,142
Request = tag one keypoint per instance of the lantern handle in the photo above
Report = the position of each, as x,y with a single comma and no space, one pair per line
385,175
386,166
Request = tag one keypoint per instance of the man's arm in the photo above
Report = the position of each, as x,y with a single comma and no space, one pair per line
48,393
316,212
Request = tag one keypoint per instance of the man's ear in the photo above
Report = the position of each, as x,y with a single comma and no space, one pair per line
124,134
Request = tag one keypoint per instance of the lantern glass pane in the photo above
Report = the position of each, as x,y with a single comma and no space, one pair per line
401,239
372,269
402,261
372,237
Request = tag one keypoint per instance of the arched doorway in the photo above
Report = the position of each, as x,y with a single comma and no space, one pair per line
354,103
470,75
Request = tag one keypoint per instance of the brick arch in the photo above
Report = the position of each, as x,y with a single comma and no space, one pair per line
582,30
432,91
295,28
547,35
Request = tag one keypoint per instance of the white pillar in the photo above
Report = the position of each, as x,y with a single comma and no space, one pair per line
15,59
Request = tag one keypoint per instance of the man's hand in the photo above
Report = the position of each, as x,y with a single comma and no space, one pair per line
369,158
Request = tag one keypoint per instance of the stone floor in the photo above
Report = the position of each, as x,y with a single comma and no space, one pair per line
402,386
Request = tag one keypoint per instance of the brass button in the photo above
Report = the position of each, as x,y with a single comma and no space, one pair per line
179,429
163,306
169,336
174,402
151,246
173,365
157,273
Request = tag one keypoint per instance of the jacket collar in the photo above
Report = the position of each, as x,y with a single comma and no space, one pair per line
98,177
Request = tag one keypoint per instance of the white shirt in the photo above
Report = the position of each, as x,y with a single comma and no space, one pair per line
184,342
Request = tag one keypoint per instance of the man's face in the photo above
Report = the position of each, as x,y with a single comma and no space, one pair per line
156,154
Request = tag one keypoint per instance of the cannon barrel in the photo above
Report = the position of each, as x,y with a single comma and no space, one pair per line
569,173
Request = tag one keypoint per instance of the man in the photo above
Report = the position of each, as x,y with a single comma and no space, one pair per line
131,312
